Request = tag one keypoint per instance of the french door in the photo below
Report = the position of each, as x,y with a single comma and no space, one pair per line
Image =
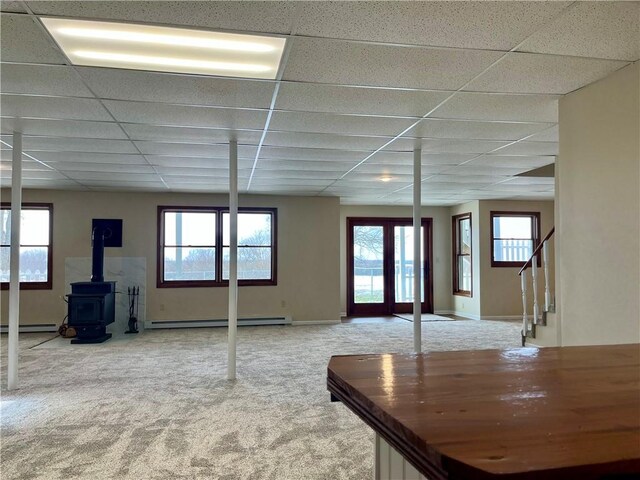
380,266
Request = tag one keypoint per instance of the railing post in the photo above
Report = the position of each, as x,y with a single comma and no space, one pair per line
545,261
534,277
525,320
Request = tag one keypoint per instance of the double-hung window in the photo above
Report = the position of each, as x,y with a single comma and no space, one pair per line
36,244
462,255
193,246
514,237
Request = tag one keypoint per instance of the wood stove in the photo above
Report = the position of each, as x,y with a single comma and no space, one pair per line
92,304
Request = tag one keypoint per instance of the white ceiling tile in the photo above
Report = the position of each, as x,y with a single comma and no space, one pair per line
339,62
133,184
487,106
59,144
324,140
459,146
312,183
298,174
84,176
198,187
318,166
9,6
159,114
292,153
395,169
193,90
250,16
431,128
196,179
102,167
42,80
386,157
289,190
53,107
21,40
472,168
187,135
221,173
43,174
535,73
6,162
63,128
508,161
530,148
337,124
548,135
482,25
194,150
371,101
44,183
107,158
592,29
196,162
466,179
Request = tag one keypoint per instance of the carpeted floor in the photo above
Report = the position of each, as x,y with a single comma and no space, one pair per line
425,317
157,405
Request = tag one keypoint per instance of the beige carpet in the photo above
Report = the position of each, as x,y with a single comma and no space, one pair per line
425,317
157,405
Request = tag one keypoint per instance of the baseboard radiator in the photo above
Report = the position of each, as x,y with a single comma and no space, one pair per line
242,322
38,327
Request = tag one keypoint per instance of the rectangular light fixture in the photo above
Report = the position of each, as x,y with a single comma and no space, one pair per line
166,49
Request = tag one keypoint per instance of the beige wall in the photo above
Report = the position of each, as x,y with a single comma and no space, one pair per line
308,256
469,306
502,294
599,211
441,247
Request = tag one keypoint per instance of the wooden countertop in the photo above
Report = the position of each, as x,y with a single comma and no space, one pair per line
551,413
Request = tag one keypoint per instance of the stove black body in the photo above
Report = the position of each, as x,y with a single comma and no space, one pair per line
92,304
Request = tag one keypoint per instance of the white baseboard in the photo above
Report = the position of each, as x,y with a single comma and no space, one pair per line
41,327
343,314
223,322
443,312
302,323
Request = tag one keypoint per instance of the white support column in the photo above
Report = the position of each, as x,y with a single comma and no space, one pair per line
14,265
417,257
545,262
534,277
233,258
525,320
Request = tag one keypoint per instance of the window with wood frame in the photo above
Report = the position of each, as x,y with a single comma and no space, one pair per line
193,246
462,255
514,237
36,245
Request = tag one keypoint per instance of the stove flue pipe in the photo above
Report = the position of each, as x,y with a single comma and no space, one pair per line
97,263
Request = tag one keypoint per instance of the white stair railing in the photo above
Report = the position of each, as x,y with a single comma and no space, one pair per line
545,264
529,328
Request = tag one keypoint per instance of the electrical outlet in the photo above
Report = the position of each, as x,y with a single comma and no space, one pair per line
283,304
162,307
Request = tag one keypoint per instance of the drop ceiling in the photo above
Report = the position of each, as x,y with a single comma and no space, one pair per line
361,84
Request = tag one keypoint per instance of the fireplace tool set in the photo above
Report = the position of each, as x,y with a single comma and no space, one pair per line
133,295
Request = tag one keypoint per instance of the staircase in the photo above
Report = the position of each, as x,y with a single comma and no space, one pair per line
538,318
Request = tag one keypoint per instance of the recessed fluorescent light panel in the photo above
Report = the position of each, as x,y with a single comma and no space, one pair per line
165,49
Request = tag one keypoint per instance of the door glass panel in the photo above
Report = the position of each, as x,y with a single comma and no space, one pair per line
403,261
368,275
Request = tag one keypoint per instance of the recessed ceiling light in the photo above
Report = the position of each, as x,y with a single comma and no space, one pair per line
386,178
166,49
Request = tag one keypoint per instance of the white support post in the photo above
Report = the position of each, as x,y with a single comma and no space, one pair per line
525,320
14,265
534,278
417,257
233,258
545,262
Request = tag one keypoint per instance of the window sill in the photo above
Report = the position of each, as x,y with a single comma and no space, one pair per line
29,286
206,284
462,293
